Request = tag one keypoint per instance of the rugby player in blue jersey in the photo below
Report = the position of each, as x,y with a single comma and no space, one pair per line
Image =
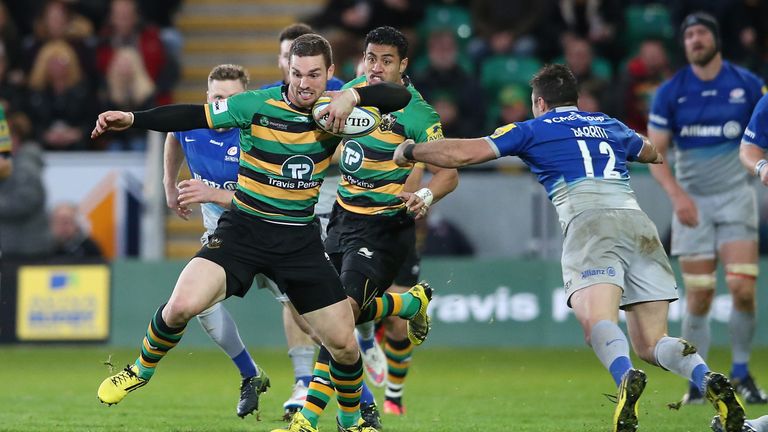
612,256
703,110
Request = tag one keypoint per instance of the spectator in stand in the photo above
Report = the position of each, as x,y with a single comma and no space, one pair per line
597,21
57,22
60,105
451,90
23,223
12,93
507,26
125,28
69,236
579,58
129,88
514,105
346,22
9,36
644,73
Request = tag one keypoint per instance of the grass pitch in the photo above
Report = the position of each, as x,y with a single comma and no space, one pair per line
521,390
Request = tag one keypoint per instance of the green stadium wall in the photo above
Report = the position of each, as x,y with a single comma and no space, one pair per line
477,303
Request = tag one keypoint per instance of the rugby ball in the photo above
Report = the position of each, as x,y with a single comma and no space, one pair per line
361,122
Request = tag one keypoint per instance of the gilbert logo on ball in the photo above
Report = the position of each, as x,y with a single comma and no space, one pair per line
361,122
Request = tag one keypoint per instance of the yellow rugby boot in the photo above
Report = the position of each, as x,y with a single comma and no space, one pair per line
113,389
418,326
722,396
299,423
630,389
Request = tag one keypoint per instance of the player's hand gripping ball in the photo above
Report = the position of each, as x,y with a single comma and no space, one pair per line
361,122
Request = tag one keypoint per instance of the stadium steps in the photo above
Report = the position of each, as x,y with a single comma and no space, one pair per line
244,32
182,237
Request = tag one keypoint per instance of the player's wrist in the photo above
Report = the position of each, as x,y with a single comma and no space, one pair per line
759,166
408,152
426,196
133,118
355,96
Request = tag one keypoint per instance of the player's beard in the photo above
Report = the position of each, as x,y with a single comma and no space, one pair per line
702,57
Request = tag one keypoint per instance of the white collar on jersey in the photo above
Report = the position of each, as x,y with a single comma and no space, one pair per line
566,108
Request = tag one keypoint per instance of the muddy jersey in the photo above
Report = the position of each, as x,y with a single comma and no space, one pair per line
370,180
284,155
706,120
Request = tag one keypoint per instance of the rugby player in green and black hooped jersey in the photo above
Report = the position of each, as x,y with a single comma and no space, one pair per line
271,228
371,230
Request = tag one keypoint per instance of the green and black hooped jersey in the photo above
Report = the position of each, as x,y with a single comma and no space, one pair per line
284,155
5,135
370,180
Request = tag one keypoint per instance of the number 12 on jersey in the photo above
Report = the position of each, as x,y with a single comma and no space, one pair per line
589,169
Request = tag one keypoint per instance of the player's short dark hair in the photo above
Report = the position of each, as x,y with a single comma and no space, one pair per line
293,31
229,72
311,44
555,84
387,35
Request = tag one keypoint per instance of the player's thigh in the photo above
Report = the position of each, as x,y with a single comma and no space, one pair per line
649,276
201,284
592,251
304,271
334,325
236,247
700,239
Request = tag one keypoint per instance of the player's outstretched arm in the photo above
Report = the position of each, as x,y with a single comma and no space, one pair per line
446,153
753,159
167,118
649,154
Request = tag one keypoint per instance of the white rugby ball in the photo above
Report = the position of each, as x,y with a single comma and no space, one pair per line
361,122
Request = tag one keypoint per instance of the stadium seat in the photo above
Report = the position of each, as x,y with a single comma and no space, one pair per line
497,71
455,18
644,22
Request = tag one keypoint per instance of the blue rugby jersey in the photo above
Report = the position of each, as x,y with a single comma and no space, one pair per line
706,120
212,157
579,157
757,130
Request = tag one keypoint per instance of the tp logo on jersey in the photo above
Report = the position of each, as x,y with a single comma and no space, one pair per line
352,156
298,167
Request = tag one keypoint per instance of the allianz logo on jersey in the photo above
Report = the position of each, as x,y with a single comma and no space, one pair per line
730,130
229,185
575,116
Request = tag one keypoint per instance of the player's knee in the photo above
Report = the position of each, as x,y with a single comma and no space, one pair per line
358,287
343,350
699,291
741,283
179,310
